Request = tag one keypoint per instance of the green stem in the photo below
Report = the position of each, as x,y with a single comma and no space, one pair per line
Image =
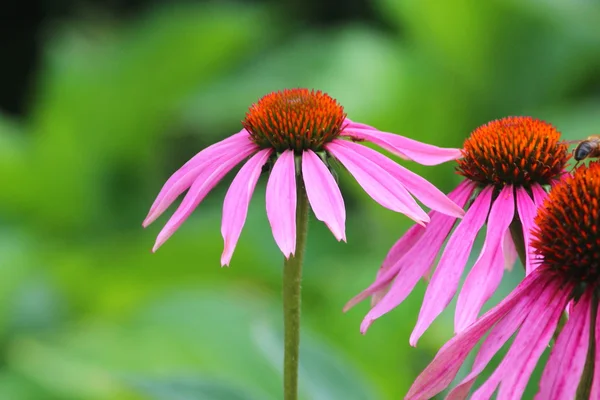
516,231
585,384
292,276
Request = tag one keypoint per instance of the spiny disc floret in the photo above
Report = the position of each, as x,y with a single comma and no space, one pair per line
567,233
514,151
296,119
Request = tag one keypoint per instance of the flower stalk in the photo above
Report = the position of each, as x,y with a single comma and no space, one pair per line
292,277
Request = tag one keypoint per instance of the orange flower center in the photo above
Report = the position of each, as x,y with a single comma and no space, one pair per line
296,119
514,150
567,234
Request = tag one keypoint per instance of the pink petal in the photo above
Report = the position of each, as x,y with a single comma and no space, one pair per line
281,202
400,255
408,270
324,194
447,275
595,393
422,189
497,337
444,367
527,211
486,274
404,147
565,365
529,344
409,239
237,199
203,184
510,251
539,194
182,179
375,180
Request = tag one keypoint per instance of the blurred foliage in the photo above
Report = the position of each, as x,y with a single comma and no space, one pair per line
87,312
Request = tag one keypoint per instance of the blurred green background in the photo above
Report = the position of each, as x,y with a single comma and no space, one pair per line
117,101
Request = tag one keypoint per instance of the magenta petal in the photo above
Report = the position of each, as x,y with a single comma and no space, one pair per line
527,211
567,359
281,202
531,341
539,194
383,187
497,337
447,275
397,258
324,194
404,147
200,188
486,274
409,269
422,189
237,199
595,393
444,367
460,195
182,179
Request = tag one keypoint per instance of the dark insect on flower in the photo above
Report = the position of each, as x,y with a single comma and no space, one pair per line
587,148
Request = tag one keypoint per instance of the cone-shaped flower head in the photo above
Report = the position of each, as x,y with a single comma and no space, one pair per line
506,164
566,244
298,132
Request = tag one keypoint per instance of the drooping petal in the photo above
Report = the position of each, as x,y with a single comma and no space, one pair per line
376,181
419,253
484,277
595,393
565,365
497,337
203,184
183,178
539,194
527,211
281,202
406,241
444,367
446,277
237,199
510,251
404,147
529,344
422,189
324,194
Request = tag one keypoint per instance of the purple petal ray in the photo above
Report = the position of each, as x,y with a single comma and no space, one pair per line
182,179
237,199
595,393
527,210
531,341
446,277
497,337
484,277
444,367
204,183
539,194
375,180
281,202
424,249
404,147
324,194
567,359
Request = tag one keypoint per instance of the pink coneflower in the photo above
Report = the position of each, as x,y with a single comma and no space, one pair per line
298,131
566,240
506,163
